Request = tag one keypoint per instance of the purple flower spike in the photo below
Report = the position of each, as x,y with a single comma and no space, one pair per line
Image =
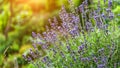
41,43
101,66
88,26
85,59
45,46
110,3
81,8
34,45
33,54
95,59
34,34
55,21
44,59
108,10
24,56
111,15
81,47
103,16
29,59
99,24
104,60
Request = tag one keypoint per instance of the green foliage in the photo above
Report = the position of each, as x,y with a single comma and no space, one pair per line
97,47
116,11
18,18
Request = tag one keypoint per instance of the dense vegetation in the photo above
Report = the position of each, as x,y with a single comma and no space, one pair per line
80,35
88,37
18,18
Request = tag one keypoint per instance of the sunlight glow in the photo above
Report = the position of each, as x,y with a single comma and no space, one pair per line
32,1
39,1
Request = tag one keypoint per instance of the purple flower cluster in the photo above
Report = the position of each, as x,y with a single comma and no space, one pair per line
55,41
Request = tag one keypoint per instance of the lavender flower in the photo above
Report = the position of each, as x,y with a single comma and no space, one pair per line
81,8
111,15
34,45
63,14
34,35
104,60
24,56
68,32
44,59
95,59
40,43
45,46
85,59
103,16
32,54
55,21
81,47
108,10
76,19
88,26
101,66
110,3
99,24
74,32
29,59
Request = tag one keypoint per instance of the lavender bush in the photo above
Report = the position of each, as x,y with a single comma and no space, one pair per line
88,37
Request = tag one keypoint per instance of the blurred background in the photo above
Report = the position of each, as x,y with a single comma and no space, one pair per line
18,19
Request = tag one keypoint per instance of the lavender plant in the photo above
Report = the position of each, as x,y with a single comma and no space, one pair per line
88,37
